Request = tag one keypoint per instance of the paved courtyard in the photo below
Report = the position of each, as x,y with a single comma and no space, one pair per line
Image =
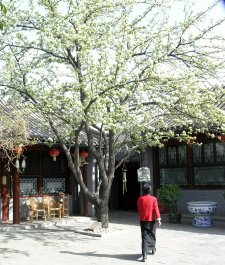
67,242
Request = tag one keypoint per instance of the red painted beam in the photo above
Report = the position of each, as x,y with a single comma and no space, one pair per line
5,192
16,197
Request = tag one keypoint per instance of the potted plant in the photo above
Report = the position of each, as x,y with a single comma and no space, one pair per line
170,194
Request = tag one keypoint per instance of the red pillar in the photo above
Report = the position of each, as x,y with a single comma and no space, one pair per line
16,196
5,192
5,203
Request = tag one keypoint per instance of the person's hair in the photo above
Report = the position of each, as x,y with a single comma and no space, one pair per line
147,189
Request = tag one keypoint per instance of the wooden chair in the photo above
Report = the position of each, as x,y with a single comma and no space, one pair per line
53,208
65,205
29,203
36,209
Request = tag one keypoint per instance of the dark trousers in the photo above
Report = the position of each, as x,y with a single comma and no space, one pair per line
148,239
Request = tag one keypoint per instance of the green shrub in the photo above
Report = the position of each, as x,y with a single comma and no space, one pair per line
170,194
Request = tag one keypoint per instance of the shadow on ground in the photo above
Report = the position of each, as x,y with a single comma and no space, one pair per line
130,257
131,218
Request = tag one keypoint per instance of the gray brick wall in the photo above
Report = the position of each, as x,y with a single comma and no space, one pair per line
202,195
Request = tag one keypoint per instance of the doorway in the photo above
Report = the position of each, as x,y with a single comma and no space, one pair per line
125,200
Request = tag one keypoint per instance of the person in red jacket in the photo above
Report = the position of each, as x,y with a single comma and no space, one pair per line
149,213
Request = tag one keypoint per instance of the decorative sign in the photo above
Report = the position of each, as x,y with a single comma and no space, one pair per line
53,185
143,174
28,186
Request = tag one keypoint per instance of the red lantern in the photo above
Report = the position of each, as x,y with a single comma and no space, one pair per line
222,138
18,150
54,153
83,155
190,141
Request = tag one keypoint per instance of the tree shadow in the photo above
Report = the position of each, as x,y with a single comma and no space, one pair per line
130,257
132,218
6,251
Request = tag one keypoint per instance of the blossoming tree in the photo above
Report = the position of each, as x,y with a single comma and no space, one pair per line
119,72
3,11
13,134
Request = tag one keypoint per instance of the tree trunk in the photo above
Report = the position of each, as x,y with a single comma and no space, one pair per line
105,215
97,213
102,214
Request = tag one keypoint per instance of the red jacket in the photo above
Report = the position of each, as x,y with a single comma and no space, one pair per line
148,208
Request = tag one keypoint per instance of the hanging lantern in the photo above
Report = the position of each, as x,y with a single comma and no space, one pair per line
190,141
222,138
23,164
17,163
83,155
124,179
18,151
4,180
54,153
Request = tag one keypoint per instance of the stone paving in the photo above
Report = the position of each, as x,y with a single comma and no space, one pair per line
68,241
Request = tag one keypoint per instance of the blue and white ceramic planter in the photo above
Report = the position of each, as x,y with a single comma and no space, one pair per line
203,211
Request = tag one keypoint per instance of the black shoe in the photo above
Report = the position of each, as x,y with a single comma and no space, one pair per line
144,258
153,251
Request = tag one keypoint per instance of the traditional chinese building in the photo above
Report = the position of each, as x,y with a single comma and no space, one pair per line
199,168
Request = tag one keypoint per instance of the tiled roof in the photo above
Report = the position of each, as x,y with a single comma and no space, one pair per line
36,128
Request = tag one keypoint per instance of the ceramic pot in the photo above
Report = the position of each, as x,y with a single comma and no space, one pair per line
202,211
